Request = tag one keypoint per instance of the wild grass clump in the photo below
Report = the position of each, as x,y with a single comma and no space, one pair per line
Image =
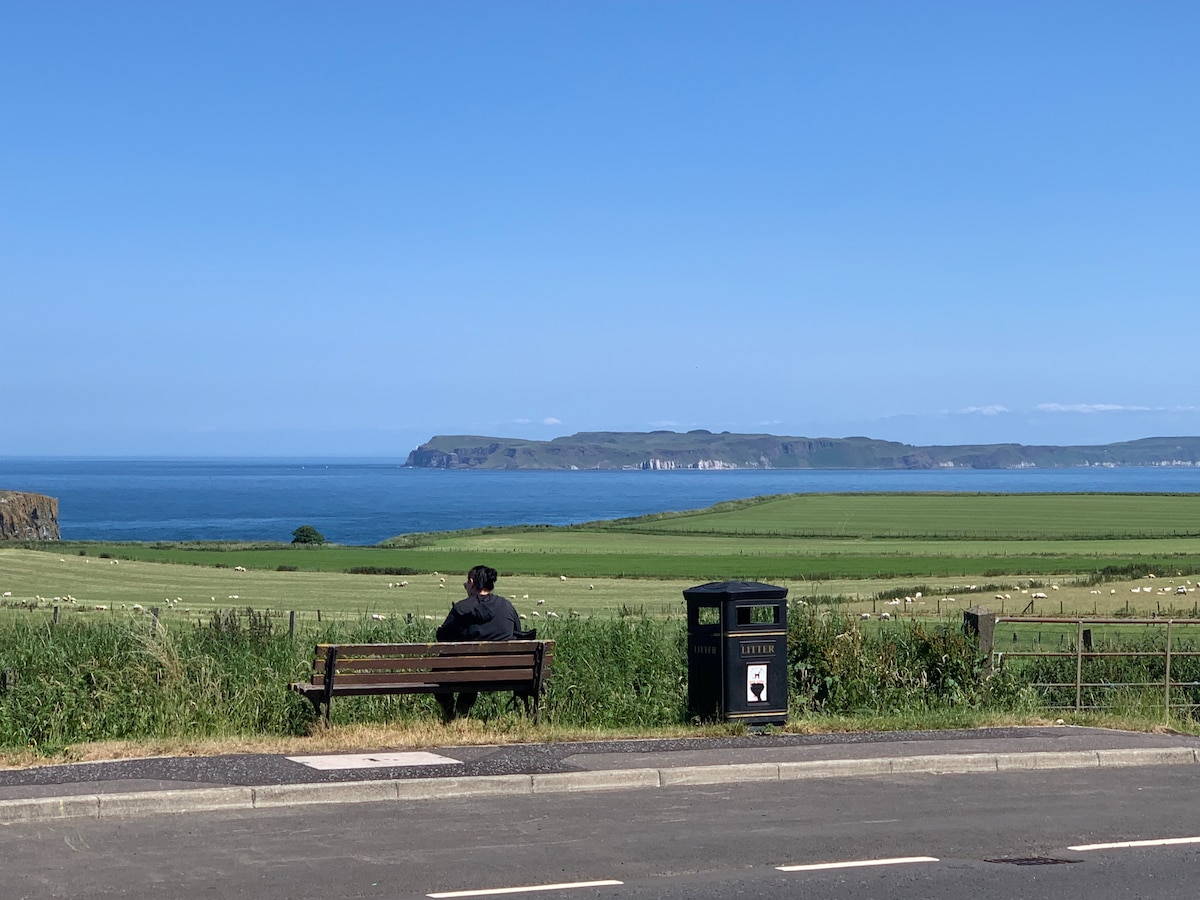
76,682
618,672
837,669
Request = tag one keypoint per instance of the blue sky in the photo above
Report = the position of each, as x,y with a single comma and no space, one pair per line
312,228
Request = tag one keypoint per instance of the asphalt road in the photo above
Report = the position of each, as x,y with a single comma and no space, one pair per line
721,841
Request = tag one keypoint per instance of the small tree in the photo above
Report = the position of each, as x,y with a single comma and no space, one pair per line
306,534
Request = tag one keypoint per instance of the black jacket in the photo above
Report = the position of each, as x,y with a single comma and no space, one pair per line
480,618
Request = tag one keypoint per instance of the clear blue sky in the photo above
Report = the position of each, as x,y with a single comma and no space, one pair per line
340,228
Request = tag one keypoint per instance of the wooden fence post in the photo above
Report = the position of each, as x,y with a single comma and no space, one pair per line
981,623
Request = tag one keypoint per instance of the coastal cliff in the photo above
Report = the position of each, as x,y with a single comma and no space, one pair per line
704,450
28,517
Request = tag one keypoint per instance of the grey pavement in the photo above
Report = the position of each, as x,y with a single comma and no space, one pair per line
261,781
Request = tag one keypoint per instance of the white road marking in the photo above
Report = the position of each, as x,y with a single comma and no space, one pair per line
855,863
374,760
1121,845
487,892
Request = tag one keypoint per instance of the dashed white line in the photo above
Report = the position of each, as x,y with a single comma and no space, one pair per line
855,863
1122,845
490,892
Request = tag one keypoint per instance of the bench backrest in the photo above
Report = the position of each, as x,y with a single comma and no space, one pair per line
502,663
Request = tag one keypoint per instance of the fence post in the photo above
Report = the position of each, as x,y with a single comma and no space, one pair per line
1079,666
1167,687
292,623
980,622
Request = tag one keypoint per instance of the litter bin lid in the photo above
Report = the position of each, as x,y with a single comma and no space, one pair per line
742,590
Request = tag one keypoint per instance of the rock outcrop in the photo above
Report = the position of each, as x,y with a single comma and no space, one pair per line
28,517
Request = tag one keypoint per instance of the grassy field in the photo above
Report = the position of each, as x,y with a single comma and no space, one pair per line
1087,552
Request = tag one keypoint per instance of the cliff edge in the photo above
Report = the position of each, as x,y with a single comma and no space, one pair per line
28,517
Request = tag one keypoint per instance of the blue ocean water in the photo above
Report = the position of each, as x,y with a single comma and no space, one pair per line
364,501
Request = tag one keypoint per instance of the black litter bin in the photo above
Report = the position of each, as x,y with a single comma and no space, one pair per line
737,652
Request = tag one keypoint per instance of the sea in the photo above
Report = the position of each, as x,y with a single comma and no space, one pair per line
365,501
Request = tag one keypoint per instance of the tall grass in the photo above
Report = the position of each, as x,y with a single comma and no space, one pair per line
838,669
82,681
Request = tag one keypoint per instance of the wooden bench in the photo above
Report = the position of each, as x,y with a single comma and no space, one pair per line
363,670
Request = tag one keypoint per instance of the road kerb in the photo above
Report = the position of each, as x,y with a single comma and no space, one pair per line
834,768
151,803
473,786
600,780
948,764
277,795
47,809
719,774
1151,756
1047,759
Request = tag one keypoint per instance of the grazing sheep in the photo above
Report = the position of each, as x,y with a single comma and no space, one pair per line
536,614
864,616
562,577
541,603
239,568
1038,595
885,616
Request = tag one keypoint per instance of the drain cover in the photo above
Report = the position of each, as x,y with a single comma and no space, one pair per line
1031,861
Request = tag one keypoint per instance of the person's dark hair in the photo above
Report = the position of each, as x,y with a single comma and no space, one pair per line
484,577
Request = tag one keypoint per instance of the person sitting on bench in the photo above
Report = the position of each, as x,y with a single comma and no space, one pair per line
480,616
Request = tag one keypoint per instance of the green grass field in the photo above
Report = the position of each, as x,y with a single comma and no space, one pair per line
961,548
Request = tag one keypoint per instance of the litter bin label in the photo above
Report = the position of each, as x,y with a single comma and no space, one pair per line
757,648
756,683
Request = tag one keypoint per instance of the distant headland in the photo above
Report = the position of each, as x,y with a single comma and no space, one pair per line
703,449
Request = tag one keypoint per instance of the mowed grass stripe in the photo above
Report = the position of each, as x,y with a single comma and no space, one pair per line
1018,516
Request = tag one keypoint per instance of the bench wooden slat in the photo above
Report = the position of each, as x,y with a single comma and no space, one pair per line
412,663
453,648
381,669
507,674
